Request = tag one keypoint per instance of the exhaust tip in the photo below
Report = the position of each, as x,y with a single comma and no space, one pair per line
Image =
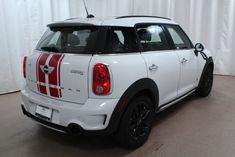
74,129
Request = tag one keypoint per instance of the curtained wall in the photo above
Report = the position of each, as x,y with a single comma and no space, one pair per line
22,22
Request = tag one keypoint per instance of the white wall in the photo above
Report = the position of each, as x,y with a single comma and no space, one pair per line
22,22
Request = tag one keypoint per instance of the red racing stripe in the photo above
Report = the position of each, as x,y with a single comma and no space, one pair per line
53,76
42,89
60,75
37,70
41,75
54,92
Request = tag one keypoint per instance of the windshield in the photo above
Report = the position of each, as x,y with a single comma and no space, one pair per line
78,40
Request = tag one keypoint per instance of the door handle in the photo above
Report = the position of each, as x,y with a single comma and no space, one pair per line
153,67
184,60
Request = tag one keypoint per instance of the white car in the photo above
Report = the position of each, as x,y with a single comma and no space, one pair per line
112,75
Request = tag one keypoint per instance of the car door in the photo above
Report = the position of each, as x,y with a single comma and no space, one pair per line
162,63
188,59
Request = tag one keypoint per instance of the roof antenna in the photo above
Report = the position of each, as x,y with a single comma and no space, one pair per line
88,15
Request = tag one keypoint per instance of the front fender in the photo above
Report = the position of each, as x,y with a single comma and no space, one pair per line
209,62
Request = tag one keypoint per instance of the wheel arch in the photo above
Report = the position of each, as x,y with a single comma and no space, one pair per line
144,86
209,62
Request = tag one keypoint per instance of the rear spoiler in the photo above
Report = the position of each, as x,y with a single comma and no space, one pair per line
67,24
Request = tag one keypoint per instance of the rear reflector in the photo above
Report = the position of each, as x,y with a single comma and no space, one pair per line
101,79
24,66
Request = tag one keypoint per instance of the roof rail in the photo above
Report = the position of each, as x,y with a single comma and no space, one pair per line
133,16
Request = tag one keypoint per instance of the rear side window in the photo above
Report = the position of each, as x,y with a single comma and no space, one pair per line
78,40
180,39
152,38
122,40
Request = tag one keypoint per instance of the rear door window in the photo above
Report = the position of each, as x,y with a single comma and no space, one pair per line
152,38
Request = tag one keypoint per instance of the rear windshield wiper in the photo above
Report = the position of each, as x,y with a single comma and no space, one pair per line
50,48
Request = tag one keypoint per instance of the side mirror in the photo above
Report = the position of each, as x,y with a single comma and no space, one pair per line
198,48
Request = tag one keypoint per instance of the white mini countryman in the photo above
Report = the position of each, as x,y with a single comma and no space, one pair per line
112,75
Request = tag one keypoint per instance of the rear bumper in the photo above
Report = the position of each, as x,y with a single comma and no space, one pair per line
91,117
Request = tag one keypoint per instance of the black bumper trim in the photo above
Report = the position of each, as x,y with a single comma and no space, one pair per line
44,122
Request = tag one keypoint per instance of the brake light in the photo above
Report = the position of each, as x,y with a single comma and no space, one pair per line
24,66
101,79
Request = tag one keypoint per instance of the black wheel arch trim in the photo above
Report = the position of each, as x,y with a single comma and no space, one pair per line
209,61
136,88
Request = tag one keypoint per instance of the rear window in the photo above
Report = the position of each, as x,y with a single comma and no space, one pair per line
89,40
78,40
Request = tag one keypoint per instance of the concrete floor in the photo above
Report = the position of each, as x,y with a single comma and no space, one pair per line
195,127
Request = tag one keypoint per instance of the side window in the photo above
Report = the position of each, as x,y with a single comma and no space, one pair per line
122,40
179,38
152,38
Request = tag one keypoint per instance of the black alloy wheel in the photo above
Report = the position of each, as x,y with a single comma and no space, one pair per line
136,123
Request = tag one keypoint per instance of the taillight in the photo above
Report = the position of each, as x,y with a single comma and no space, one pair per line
24,66
101,79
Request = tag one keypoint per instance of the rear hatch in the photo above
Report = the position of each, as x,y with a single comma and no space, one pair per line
59,66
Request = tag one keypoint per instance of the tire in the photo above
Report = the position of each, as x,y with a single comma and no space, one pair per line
206,83
136,123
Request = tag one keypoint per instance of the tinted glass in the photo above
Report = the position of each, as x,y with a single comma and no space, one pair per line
78,40
122,40
152,38
179,38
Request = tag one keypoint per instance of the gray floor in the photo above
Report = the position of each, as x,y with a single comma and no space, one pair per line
195,127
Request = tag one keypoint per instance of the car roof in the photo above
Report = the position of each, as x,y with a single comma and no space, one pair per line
124,21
